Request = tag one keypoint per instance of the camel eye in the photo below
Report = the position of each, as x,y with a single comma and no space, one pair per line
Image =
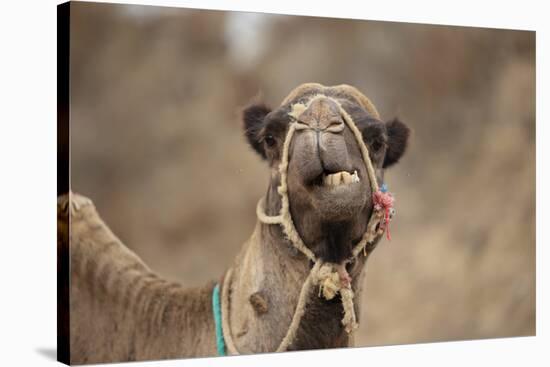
269,140
377,145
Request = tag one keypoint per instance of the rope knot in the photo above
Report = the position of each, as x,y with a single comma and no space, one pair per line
330,281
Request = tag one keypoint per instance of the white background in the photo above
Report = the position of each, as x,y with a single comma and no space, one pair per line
28,182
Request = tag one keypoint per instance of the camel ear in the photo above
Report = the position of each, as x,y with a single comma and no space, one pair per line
253,119
398,137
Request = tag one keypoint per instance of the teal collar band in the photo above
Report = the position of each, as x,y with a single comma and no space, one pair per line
216,309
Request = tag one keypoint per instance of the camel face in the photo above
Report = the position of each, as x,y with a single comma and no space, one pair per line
326,171
329,192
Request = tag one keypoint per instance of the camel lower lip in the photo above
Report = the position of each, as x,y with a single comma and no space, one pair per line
342,190
337,203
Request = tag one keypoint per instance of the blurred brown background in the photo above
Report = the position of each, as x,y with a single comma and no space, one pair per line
157,144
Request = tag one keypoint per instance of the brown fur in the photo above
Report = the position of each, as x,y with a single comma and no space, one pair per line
121,310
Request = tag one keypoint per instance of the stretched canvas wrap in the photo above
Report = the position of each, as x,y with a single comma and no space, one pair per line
223,178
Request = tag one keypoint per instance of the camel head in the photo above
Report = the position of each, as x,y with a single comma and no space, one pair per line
329,192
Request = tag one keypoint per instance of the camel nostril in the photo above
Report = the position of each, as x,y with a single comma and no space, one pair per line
335,127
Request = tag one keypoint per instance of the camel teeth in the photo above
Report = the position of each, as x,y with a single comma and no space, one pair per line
337,179
332,180
340,178
346,177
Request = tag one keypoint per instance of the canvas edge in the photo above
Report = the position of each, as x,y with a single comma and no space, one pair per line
63,182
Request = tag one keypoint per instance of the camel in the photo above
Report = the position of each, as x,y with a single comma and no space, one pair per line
293,284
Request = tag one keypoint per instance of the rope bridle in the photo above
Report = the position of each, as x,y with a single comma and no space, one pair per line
322,274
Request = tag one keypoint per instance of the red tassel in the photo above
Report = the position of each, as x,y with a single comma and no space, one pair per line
384,201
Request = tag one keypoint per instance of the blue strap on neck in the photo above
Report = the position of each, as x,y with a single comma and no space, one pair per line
216,309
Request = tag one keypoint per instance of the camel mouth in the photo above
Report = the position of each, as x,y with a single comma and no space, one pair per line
330,180
340,178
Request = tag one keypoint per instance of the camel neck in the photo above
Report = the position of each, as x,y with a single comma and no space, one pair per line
264,292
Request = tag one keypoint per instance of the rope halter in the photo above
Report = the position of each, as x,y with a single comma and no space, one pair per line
324,275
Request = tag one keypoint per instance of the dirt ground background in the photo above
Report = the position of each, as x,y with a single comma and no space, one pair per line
157,144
